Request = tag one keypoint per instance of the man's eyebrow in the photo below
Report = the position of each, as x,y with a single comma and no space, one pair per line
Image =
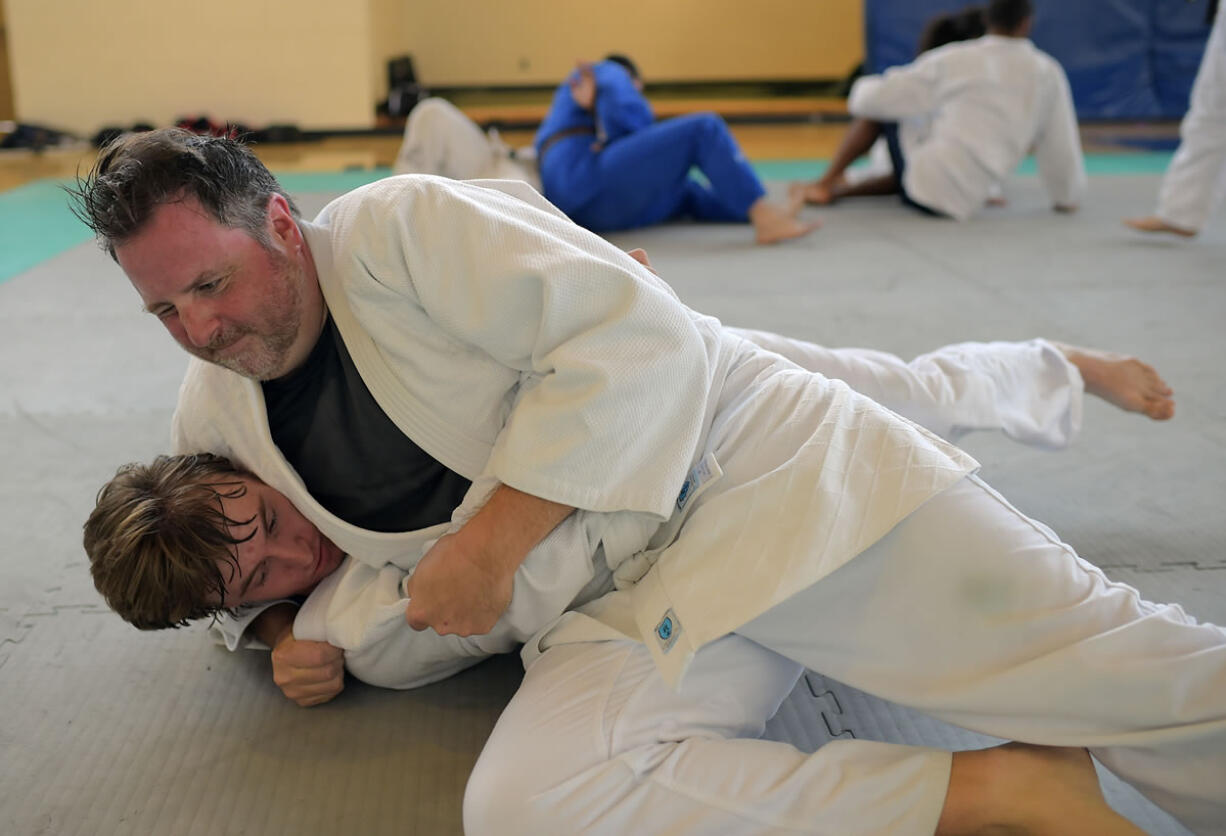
259,524
204,277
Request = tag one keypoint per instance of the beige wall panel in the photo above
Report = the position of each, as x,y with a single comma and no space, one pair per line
494,42
80,64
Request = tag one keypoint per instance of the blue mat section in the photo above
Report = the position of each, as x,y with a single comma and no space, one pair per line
36,223
1125,59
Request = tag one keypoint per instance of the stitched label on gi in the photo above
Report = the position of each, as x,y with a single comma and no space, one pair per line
698,478
667,631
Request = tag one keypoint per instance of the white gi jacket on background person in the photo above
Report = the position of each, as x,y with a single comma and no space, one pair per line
992,101
493,330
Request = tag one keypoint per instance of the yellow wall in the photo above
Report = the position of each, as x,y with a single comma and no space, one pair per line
478,42
81,64
6,89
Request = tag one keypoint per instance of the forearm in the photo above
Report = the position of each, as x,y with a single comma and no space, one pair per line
272,624
618,105
509,525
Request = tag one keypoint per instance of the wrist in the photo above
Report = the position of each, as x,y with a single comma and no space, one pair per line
274,624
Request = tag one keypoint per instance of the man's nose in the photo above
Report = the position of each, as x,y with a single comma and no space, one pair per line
200,325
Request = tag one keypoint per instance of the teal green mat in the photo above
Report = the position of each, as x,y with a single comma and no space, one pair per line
36,224
1149,162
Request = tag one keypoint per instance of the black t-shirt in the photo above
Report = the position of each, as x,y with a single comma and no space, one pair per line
353,459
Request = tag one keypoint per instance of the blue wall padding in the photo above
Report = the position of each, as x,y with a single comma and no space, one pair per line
1180,31
1125,59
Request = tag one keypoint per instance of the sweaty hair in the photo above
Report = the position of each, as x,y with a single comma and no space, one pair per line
158,538
1008,14
955,26
137,173
624,61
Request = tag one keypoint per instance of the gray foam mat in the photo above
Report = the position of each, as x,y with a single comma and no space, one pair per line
821,709
108,731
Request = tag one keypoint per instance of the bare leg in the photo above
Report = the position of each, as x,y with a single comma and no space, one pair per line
1122,380
773,223
1153,223
860,136
1021,789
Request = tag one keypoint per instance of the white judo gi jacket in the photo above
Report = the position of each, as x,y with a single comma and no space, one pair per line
360,608
501,337
969,112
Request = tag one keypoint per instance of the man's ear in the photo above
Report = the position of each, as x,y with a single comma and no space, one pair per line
282,225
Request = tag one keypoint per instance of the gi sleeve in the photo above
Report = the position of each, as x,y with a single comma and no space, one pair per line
900,93
620,108
614,369
231,630
1057,148
360,609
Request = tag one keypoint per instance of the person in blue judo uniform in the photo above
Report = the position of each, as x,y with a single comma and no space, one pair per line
609,165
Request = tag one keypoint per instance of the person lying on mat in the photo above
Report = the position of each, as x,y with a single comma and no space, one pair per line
189,537
234,541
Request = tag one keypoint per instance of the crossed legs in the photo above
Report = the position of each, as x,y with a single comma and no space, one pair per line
992,624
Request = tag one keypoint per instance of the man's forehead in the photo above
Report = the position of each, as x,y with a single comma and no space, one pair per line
178,248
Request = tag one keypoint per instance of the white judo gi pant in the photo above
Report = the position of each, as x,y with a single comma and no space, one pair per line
1196,179
439,139
1027,390
967,610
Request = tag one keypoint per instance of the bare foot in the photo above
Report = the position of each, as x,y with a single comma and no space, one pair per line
1153,223
997,201
819,192
1122,380
772,223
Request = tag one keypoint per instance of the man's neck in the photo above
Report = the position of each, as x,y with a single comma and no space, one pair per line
1021,33
314,311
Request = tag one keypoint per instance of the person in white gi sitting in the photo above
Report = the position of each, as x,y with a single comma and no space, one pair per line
959,119
748,503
